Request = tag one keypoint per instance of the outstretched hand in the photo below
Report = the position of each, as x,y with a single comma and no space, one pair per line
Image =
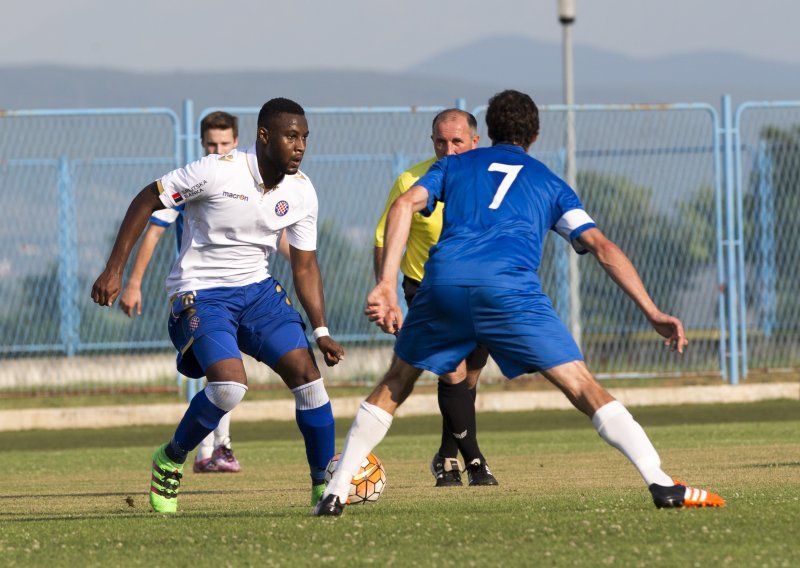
382,308
106,288
671,328
331,350
130,301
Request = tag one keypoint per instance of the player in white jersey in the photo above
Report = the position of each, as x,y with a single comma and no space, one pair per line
219,134
223,299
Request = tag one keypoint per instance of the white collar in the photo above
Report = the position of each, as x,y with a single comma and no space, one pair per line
252,165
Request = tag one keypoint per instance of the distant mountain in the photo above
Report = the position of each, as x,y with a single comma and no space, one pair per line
603,76
56,87
473,72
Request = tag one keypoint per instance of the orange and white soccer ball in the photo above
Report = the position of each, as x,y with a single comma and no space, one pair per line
367,485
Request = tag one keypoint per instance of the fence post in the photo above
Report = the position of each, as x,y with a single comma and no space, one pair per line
731,288
67,261
562,253
740,265
720,240
766,240
189,141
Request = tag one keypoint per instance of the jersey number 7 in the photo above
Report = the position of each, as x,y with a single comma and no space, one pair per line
511,174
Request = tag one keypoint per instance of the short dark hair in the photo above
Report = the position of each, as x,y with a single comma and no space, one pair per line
274,107
448,112
512,117
219,120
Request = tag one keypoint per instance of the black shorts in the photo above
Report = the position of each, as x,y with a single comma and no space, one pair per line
410,287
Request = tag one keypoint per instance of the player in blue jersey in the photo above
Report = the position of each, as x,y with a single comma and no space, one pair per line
453,131
219,134
481,287
223,300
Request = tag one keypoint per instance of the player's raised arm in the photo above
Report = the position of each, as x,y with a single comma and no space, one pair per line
621,270
107,286
382,307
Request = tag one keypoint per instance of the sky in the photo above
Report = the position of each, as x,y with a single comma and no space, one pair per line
379,35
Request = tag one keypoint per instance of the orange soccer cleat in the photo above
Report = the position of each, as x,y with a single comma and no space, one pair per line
681,495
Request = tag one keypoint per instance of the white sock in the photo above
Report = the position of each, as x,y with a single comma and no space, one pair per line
369,427
225,395
310,395
222,433
206,448
617,427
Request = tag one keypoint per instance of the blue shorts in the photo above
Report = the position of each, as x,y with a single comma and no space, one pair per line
217,323
520,329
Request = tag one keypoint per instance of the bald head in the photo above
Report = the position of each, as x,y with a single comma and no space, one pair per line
454,131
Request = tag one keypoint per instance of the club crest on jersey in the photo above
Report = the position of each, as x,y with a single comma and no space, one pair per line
177,197
194,323
281,208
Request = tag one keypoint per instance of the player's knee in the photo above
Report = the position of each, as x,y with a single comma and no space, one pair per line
225,395
400,378
298,368
226,370
472,378
455,377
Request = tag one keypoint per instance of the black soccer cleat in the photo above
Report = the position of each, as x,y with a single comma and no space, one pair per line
447,471
329,506
679,496
667,497
479,473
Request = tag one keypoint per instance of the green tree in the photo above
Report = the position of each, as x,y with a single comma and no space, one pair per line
666,246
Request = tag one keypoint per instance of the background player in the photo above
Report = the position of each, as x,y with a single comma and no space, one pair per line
453,131
219,134
222,297
481,286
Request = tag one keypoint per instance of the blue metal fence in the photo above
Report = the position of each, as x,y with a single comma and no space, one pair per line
767,190
700,200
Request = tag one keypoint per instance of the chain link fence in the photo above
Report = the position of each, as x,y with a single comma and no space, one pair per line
649,175
768,200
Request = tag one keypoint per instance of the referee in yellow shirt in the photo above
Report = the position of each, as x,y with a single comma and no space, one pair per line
454,131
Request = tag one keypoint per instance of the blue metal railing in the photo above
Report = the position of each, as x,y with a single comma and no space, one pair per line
666,153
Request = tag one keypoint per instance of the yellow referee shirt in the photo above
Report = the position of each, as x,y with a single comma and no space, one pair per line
424,231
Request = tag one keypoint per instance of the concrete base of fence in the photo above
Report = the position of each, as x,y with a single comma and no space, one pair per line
421,404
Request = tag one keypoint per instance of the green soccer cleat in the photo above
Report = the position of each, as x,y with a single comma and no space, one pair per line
316,493
165,482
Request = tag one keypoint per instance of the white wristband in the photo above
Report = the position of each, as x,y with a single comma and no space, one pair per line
320,332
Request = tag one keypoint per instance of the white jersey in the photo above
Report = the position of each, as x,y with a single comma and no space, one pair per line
231,223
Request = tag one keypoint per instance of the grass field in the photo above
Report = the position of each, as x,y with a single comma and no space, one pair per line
565,498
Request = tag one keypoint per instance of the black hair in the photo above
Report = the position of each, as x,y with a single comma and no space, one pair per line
274,107
512,117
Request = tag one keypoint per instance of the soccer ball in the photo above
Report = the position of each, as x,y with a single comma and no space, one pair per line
367,485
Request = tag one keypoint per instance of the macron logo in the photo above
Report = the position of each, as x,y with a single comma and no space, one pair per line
239,196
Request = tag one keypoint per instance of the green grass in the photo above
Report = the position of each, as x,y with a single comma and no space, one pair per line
565,498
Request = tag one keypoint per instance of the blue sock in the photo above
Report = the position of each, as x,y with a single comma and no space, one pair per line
201,417
319,434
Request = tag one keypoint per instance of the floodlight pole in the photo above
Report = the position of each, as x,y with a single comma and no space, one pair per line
566,15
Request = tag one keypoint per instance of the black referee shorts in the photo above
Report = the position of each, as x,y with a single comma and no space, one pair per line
410,287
